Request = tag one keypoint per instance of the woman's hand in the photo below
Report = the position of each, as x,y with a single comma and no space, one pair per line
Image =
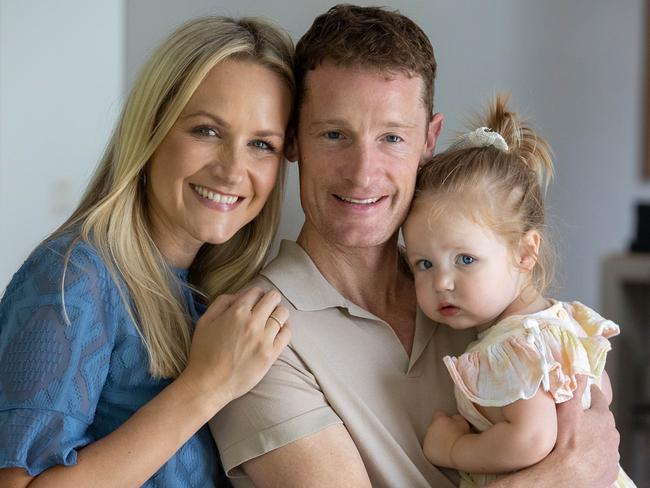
441,435
235,342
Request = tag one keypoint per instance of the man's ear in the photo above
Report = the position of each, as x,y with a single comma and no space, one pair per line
291,149
529,250
433,131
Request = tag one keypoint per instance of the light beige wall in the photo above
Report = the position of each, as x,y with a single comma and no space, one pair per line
61,85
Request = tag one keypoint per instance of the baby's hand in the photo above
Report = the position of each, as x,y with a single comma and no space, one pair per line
441,435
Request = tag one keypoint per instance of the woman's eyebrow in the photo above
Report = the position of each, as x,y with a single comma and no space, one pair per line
203,113
222,123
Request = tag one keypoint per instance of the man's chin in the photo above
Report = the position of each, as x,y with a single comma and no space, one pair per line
359,238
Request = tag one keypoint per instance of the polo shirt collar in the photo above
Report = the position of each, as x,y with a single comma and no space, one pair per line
297,277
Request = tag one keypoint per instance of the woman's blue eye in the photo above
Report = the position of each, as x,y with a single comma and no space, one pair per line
392,138
263,145
206,131
424,264
465,259
334,135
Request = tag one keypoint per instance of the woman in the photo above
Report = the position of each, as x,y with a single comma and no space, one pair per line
103,380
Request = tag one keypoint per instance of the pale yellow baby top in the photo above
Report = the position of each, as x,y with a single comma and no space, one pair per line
511,359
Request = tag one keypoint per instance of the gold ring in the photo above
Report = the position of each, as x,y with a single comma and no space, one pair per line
272,317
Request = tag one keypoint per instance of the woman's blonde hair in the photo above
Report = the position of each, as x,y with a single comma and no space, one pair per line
112,215
501,189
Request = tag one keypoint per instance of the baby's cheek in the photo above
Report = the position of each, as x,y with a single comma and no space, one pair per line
424,298
485,297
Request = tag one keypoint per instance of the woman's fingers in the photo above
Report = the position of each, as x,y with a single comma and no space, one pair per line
281,340
220,305
238,339
266,304
247,299
276,321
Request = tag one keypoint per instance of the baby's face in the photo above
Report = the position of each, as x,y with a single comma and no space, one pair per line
465,274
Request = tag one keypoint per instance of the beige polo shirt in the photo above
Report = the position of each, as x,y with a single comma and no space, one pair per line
344,365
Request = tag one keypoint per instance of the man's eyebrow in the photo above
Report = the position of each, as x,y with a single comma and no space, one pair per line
399,125
338,122
342,123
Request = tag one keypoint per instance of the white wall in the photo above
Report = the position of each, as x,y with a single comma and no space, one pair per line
584,79
575,67
61,84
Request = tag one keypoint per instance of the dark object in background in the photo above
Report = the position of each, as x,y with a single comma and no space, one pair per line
641,242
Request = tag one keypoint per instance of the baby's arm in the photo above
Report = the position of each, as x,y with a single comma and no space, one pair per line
525,436
586,451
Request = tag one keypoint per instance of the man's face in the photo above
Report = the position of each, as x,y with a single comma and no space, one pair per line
361,137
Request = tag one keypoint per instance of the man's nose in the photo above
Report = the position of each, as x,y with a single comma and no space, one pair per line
361,165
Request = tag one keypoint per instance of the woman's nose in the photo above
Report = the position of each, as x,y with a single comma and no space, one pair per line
229,165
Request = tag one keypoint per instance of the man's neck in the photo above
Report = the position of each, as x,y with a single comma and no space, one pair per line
373,278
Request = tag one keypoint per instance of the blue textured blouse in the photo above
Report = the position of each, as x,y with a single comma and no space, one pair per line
64,386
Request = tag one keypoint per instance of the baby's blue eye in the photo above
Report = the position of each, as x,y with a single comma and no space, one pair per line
464,259
424,264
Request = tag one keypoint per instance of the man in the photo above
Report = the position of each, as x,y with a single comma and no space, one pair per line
348,403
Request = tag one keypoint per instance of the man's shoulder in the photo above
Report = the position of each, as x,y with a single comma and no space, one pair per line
283,269
291,261
295,275
262,282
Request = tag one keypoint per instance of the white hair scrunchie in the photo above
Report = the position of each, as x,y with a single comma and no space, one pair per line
481,137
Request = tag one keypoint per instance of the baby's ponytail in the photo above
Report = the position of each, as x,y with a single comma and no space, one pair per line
522,140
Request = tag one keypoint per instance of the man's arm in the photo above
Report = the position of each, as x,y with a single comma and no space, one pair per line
586,451
328,458
284,433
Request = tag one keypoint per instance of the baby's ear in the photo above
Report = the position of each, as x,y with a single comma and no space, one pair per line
529,250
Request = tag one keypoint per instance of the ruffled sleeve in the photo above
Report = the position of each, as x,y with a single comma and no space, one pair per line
523,352
55,351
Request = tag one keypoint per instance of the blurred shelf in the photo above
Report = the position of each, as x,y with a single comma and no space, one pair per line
625,299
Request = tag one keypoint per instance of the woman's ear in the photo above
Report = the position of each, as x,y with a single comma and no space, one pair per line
529,249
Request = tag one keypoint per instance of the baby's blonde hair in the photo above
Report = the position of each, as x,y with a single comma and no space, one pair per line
501,189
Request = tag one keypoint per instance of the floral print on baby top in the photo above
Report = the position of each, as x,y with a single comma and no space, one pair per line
513,358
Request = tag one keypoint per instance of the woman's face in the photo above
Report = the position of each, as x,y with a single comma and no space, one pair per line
215,169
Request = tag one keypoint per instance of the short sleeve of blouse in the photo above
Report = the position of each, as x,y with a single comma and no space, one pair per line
52,370
521,353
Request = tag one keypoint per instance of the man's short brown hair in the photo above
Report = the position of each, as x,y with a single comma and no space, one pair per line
349,35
